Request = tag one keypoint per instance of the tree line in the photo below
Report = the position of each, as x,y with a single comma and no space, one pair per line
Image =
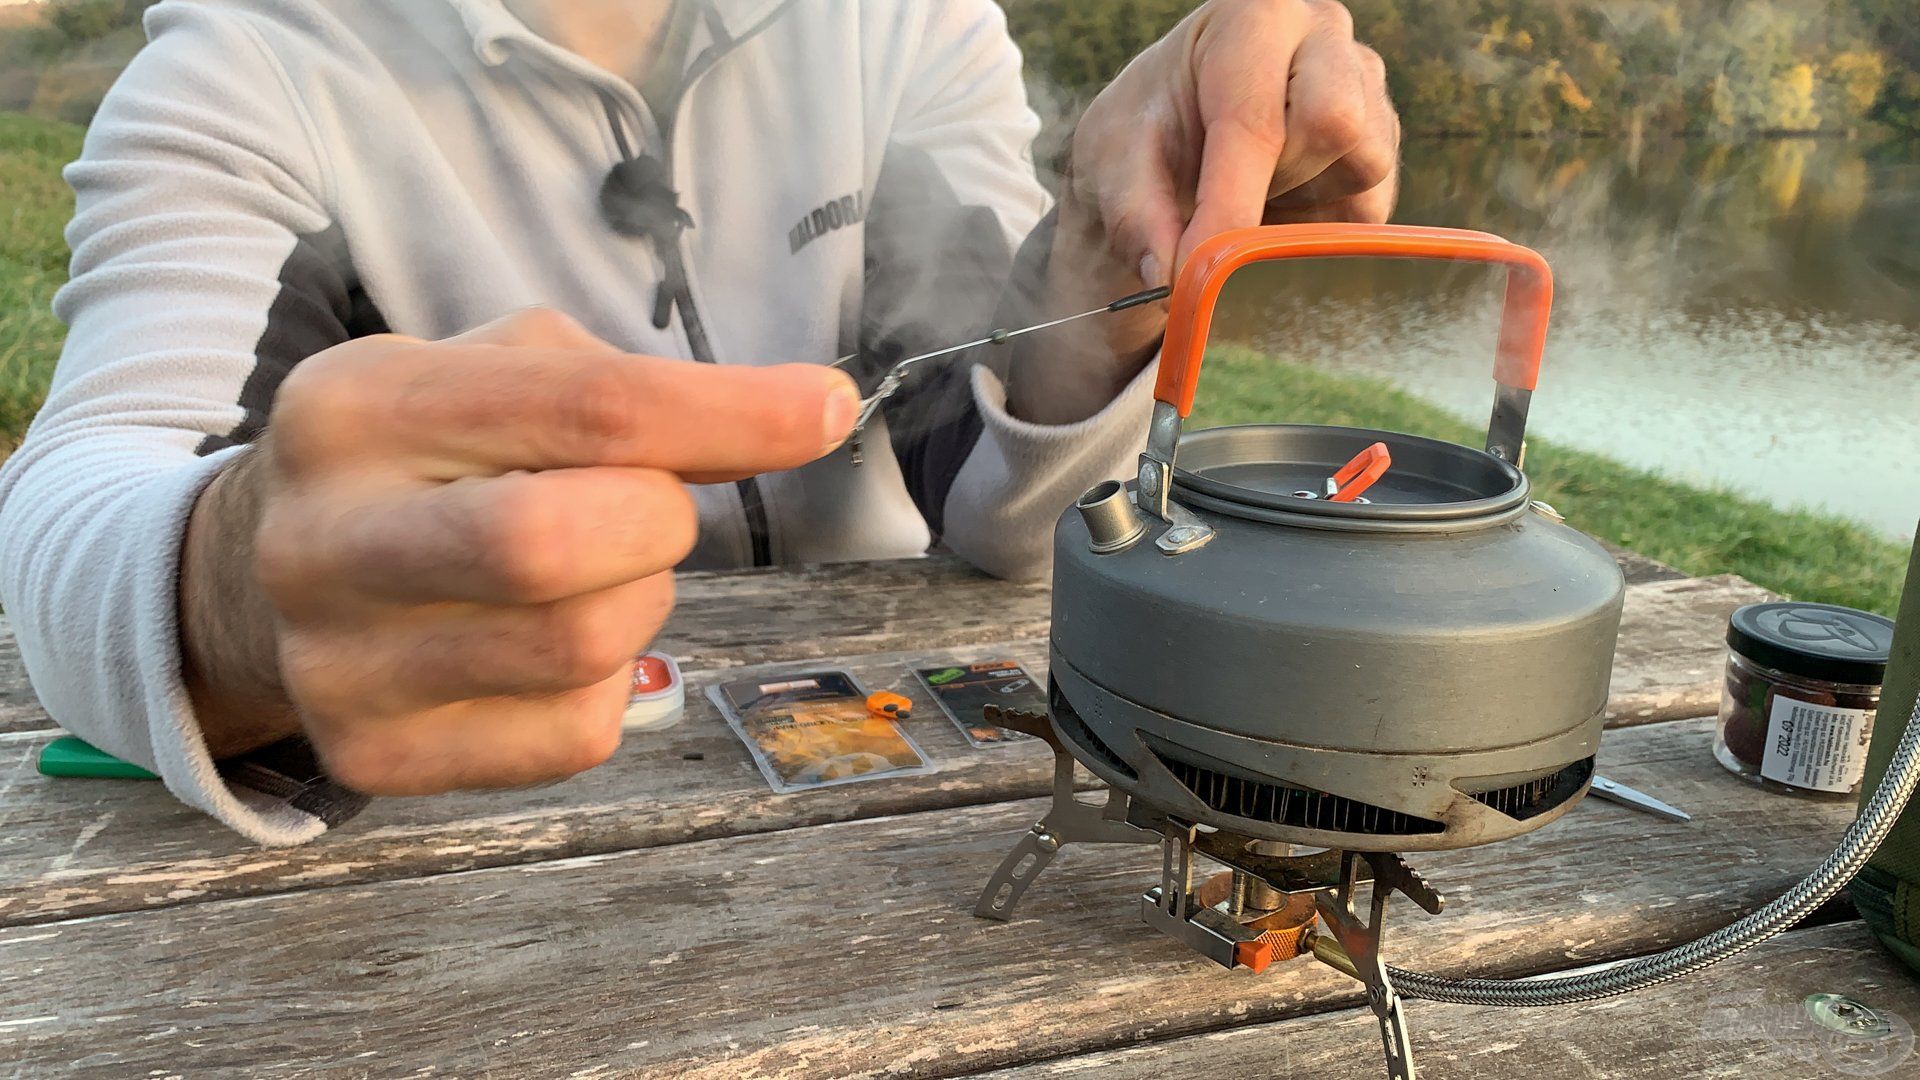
1726,68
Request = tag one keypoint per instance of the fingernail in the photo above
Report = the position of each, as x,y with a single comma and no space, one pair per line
843,405
1150,273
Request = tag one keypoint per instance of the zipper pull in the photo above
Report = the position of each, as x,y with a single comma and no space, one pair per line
663,305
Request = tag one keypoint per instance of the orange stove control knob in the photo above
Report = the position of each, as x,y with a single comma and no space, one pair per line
1274,945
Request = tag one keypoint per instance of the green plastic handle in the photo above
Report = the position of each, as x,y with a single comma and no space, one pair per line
68,756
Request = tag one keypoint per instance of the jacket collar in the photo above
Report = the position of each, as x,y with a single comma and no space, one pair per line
493,27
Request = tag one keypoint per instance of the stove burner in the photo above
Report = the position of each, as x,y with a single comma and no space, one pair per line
1285,804
1262,909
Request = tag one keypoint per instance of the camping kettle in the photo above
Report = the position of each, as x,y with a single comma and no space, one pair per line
1240,646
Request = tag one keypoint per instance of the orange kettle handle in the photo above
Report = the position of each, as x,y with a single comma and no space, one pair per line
1523,326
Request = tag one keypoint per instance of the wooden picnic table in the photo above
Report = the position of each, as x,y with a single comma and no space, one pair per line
667,915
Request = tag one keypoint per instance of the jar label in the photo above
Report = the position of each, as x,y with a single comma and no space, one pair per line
1816,746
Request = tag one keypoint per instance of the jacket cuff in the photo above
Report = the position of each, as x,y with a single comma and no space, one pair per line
1133,405
275,795
1021,475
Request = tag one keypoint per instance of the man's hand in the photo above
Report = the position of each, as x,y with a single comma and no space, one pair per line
443,558
1248,112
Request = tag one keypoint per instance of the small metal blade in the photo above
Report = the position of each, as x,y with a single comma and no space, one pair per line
1616,792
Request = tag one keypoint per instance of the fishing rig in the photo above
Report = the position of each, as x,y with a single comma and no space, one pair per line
896,375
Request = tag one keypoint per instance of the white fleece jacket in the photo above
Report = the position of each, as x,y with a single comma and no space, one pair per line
272,177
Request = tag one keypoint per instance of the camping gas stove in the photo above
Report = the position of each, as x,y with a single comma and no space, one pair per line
1300,651
1264,908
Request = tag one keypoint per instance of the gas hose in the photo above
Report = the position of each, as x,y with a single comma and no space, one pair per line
1862,839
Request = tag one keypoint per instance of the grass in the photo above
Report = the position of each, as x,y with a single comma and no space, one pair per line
1699,531
34,206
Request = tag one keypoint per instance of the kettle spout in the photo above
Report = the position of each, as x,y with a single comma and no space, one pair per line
1113,522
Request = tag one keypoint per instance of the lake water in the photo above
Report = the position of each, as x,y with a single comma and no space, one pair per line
1743,315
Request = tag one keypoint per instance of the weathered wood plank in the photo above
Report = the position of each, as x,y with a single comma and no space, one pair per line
19,709
1671,659
80,847
837,950
1743,1018
765,616
71,848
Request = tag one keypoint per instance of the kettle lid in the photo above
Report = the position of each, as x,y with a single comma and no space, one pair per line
1263,470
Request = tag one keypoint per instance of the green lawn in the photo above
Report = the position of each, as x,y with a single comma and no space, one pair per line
1808,556
34,206
1701,531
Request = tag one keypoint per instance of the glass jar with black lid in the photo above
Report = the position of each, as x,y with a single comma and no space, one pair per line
1802,690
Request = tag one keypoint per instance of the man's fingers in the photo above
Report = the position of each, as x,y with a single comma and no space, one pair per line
1242,95
1319,144
1144,224
490,743
1232,192
548,328
522,538
431,657
1375,207
452,410
1382,147
1326,124
1138,202
1236,167
1344,138
537,409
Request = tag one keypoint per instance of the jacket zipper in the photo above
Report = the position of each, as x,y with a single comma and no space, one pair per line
752,501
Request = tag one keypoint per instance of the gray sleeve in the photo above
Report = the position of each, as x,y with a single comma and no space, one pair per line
956,196
202,270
